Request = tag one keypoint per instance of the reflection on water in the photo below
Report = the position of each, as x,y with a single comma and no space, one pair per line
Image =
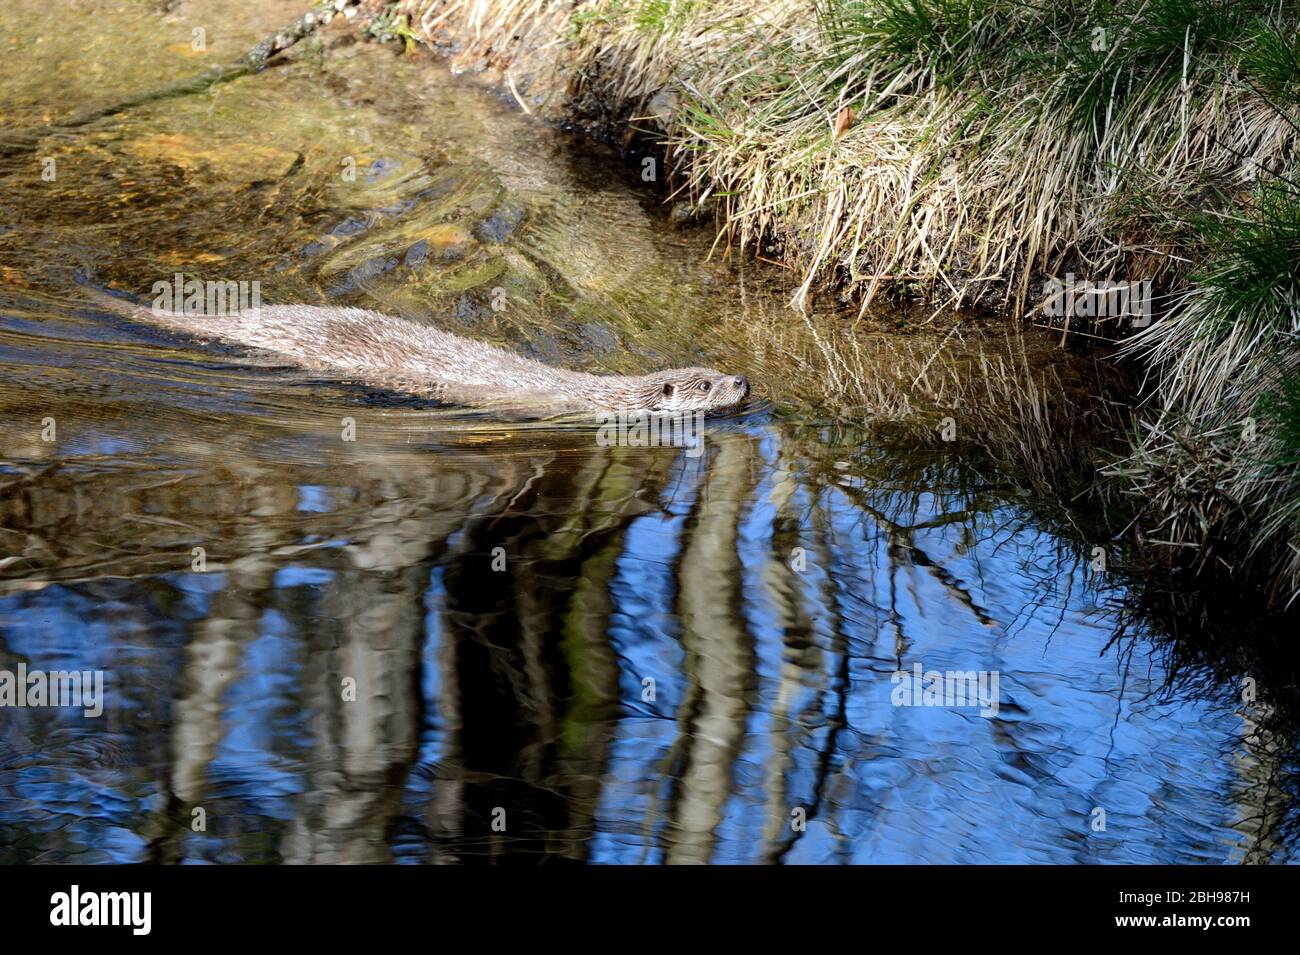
453,639
768,591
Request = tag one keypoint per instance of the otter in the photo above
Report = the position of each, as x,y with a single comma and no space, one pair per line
391,352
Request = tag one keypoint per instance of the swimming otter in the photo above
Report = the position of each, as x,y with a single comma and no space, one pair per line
391,352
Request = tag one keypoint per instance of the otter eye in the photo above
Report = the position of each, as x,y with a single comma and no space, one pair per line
668,390
705,385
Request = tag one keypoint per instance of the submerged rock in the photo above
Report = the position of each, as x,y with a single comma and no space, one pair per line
684,213
416,254
599,336
501,225
445,242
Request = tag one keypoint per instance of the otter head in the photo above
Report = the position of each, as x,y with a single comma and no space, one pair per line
693,389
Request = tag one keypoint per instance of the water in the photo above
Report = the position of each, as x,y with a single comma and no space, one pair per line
455,638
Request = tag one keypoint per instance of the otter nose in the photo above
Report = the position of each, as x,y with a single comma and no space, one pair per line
742,384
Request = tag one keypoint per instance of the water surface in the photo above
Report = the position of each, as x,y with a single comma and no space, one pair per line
560,651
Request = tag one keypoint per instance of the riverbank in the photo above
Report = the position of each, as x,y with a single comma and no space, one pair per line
985,154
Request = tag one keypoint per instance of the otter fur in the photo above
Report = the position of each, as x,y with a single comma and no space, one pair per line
391,352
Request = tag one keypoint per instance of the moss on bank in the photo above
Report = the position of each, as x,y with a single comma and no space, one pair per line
966,150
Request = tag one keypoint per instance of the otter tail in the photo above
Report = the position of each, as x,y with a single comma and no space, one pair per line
112,299
126,305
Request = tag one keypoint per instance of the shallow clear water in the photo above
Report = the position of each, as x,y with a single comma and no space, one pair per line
454,638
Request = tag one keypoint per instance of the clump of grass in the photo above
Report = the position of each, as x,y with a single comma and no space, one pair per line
1272,62
994,140
1219,460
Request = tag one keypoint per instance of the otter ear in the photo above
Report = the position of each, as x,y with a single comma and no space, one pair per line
668,389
